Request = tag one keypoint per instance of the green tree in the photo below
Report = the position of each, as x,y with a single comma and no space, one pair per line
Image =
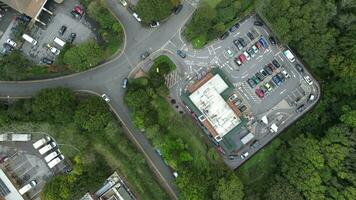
229,188
54,104
83,56
14,66
150,10
280,189
92,115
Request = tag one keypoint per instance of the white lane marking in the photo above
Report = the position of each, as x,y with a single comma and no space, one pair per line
236,34
283,91
202,57
244,76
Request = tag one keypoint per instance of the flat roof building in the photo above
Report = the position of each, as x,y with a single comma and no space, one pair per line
7,189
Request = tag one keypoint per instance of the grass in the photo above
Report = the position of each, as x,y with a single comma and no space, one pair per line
199,42
212,3
163,61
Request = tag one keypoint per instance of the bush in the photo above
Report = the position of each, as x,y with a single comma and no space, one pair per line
149,10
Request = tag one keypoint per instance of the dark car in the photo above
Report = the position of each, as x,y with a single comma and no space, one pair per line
263,72
268,70
299,68
264,89
242,42
237,25
258,23
72,37
254,78
232,29
144,55
276,80
62,30
47,61
238,45
75,14
271,66
251,83
259,76
272,40
243,108
249,35
281,76
24,18
276,63
182,54
224,35
7,48
177,9
300,108
255,144
263,42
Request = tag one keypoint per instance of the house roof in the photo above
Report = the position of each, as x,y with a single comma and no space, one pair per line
28,7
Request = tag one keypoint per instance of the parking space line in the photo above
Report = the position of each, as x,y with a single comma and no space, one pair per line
238,33
19,166
283,91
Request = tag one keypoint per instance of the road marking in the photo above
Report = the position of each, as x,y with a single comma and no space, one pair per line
283,91
244,76
202,57
236,34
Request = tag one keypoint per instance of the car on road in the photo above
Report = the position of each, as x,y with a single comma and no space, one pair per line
299,68
259,93
224,35
242,42
47,61
11,42
125,82
268,86
105,97
144,55
276,63
308,80
258,23
135,15
263,42
248,57
244,155
242,58
72,37
250,36
272,40
181,53
177,9
62,30
238,62
263,72
268,70
259,76
229,53
123,2
154,24
254,78
285,73
251,83
276,80
238,45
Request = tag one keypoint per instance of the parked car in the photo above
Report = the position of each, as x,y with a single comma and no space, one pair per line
238,45
308,80
144,55
276,63
263,42
232,29
271,66
250,36
11,42
242,58
264,89
79,10
268,70
125,82
251,83
181,54
255,49
242,108
75,15
281,76
258,45
62,30
229,53
299,67
72,37
251,52
46,61
300,108
248,57
259,93
259,76
7,49
53,49
276,80
285,73
154,24
238,102
255,144
238,62
254,78
242,42
244,155
24,18
263,72
135,15
311,98
268,86
105,97
224,35
258,23
177,9
237,25
272,40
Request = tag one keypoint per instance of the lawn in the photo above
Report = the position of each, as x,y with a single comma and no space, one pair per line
212,3
199,42
164,64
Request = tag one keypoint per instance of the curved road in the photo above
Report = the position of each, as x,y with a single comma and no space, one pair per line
108,78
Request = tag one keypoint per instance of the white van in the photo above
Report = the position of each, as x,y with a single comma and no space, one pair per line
20,137
289,55
41,142
55,161
46,148
59,41
52,155
29,39
27,187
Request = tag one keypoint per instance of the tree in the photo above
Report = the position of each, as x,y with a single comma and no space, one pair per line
229,188
92,115
54,104
150,10
83,56
14,66
280,189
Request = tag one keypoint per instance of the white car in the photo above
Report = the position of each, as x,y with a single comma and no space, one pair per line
244,155
285,73
255,49
105,97
137,17
11,42
248,57
229,53
55,51
308,80
123,2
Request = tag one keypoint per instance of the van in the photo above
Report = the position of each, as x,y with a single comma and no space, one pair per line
289,55
52,155
41,142
29,39
55,161
20,137
27,187
59,41
47,148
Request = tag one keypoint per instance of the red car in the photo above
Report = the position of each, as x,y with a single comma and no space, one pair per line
242,58
78,10
258,45
259,93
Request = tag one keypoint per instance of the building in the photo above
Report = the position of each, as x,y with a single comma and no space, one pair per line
114,188
8,190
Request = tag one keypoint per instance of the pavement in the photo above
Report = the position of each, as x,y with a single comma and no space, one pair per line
107,78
